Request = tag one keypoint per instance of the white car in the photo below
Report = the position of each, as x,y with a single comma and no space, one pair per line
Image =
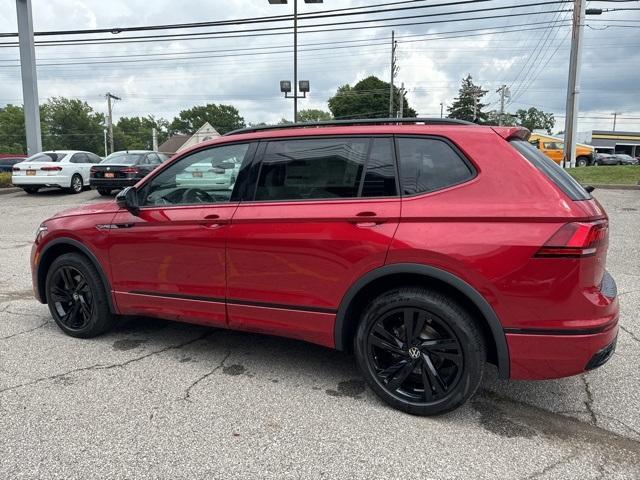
68,169
202,174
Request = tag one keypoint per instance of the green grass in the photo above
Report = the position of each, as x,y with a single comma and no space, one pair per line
5,179
612,174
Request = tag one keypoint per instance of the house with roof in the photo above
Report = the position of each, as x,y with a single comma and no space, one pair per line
179,142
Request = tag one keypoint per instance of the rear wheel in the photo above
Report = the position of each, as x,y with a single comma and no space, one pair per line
582,162
104,192
31,190
76,297
420,351
76,184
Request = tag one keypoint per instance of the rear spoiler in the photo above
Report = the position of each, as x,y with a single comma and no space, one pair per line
511,133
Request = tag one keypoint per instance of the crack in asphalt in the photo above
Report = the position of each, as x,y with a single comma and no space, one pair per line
187,393
562,460
24,331
630,333
109,366
589,401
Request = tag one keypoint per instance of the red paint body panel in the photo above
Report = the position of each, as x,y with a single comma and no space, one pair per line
307,254
315,327
540,357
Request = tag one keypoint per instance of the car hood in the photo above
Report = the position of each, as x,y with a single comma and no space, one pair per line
109,206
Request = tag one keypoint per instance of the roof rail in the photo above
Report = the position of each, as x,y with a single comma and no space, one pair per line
357,121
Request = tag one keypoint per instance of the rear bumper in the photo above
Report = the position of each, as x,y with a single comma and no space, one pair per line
113,183
540,356
41,181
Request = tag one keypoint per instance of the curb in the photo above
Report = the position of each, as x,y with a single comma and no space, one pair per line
613,186
7,190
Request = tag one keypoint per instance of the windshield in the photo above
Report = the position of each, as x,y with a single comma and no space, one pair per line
123,158
46,157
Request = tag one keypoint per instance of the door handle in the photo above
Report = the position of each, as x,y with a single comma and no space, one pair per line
366,219
213,220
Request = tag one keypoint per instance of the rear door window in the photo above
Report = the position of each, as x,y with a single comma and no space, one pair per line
327,168
429,164
551,170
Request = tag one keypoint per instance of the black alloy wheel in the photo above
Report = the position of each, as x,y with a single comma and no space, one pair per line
77,298
71,297
420,351
414,354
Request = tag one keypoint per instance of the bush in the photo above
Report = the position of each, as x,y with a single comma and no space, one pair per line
5,179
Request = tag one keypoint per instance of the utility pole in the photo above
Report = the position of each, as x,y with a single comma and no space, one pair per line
154,139
29,77
573,87
504,92
441,109
615,117
394,44
401,101
105,142
110,117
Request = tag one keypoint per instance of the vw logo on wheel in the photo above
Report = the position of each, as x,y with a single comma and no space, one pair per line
414,352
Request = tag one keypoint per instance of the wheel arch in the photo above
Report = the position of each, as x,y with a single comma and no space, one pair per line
61,246
395,275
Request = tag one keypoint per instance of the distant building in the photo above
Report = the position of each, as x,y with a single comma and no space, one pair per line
180,142
605,141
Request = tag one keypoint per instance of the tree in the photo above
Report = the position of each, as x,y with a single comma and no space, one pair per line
223,118
467,105
535,119
313,115
136,133
71,124
369,98
12,131
508,119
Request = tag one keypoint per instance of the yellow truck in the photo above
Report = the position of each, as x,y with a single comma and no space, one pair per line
553,147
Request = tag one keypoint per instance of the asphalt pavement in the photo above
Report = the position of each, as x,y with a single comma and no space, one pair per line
156,399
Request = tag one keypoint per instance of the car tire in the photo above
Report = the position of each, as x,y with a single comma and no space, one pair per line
77,184
77,298
31,190
104,192
420,351
582,162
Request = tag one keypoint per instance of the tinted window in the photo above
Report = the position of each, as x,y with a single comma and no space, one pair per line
551,170
207,176
380,177
123,158
46,157
428,164
79,158
163,157
153,159
312,169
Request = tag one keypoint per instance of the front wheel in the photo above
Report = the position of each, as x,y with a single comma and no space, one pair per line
582,162
77,298
419,351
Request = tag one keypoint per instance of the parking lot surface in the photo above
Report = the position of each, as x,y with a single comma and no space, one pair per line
156,399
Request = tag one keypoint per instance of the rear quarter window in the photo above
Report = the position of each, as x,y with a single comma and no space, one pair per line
550,169
429,164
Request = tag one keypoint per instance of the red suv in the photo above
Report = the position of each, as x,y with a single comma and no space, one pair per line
427,247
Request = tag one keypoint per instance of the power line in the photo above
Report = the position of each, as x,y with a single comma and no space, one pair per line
270,30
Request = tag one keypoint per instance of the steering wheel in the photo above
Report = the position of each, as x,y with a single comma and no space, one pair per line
196,195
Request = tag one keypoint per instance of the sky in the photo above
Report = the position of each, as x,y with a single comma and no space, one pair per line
526,48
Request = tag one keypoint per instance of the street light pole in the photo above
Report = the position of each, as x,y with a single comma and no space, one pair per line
295,61
29,78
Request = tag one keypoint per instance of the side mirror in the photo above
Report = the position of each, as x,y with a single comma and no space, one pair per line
226,165
128,198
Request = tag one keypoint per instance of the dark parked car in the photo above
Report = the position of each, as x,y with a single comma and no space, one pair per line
615,159
7,163
123,169
414,246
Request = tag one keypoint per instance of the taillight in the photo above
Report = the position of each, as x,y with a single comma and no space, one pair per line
129,170
16,169
93,170
577,239
50,169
